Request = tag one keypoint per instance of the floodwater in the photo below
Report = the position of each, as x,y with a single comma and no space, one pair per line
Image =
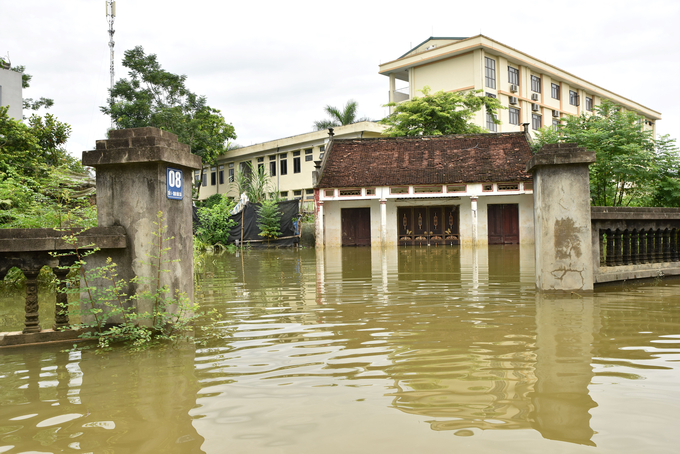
439,349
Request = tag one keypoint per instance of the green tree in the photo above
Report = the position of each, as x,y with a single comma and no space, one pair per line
441,113
666,191
340,117
627,163
269,219
155,97
37,175
29,103
255,185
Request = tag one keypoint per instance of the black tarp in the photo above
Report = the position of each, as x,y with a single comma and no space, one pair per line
247,218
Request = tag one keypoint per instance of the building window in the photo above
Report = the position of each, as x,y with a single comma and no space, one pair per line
513,75
555,91
536,84
508,186
213,176
296,162
490,125
283,165
205,177
322,150
556,125
221,174
197,176
573,98
309,193
308,155
245,168
231,172
514,116
272,165
535,121
284,195
350,192
297,194
260,165
427,189
589,104
490,72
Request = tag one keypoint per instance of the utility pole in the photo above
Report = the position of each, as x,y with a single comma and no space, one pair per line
110,16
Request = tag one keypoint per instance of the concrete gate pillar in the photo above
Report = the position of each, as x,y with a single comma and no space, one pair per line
141,172
562,217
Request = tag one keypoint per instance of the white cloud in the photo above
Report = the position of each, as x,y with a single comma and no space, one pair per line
271,67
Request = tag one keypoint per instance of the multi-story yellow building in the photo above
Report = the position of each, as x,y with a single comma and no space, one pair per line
288,162
533,91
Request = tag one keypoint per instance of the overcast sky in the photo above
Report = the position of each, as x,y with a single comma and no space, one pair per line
271,67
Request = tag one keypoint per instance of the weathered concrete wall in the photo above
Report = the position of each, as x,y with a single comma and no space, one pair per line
562,217
131,190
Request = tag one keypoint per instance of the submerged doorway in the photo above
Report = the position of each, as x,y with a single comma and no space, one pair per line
356,226
428,225
503,223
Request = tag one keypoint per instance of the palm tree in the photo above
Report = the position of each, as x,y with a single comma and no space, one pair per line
346,116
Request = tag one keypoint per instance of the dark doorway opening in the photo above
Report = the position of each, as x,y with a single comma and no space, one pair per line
356,226
503,223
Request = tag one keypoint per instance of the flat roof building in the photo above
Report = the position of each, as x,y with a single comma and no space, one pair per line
532,90
288,162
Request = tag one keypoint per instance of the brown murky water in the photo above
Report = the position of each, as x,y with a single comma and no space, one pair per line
369,351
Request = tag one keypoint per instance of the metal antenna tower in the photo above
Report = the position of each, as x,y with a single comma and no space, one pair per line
110,16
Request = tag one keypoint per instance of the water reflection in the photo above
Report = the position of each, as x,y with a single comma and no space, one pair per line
565,332
59,401
370,350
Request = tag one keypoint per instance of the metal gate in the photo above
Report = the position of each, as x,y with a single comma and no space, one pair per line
428,225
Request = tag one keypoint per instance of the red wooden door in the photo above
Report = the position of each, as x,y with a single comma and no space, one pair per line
356,226
503,223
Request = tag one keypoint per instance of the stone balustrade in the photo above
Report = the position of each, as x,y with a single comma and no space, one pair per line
635,243
32,249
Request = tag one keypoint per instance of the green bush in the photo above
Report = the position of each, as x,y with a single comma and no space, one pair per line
269,219
109,314
215,223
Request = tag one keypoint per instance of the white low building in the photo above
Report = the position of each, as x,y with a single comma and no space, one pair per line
442,190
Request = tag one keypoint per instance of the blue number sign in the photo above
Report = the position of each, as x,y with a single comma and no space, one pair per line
174,184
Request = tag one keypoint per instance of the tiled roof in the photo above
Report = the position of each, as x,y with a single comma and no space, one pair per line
474,158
